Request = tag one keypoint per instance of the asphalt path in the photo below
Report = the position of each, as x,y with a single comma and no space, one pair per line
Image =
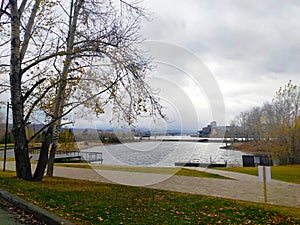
6,218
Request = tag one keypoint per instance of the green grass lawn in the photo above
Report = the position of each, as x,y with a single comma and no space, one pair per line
9,145
290,173
86,202
8,159
144,169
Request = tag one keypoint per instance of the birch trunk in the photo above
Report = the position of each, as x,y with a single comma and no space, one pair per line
23,166
60,97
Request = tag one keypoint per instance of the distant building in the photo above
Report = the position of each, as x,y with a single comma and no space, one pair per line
213,124
141,133
212,130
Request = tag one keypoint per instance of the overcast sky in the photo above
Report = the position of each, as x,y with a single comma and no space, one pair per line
251,48
212,52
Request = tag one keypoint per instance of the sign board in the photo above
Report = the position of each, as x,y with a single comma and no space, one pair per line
261,174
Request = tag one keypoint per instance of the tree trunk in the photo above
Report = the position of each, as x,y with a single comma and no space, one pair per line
60,96
53,149
43,158
23,166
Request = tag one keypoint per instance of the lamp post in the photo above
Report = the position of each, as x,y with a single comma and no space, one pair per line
6,135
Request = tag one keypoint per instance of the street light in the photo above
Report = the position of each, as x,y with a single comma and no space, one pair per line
6,135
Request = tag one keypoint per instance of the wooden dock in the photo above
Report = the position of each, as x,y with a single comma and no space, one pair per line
76,156
192,164
198,164
65,158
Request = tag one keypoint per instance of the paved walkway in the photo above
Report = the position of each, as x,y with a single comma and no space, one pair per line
8,219
243,187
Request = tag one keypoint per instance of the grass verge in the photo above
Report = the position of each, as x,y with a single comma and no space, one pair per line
7,160
290,173
144,169
97,203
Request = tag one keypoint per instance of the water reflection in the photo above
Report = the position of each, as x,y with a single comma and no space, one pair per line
157,153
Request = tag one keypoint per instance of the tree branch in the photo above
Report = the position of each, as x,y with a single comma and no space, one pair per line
28,93
75,106
3,9
28,28
61,53
22,7
38,100
4,43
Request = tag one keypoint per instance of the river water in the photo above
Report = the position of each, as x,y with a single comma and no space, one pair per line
162,153
166,153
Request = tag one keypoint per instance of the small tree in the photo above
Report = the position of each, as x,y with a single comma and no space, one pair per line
67,140
276,125
285,131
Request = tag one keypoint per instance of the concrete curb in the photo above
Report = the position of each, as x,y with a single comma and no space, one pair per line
39,213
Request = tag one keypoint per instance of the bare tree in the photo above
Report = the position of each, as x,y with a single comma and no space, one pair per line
286,133
55,45
276,125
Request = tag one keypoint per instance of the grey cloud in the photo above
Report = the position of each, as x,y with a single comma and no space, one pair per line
252,48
